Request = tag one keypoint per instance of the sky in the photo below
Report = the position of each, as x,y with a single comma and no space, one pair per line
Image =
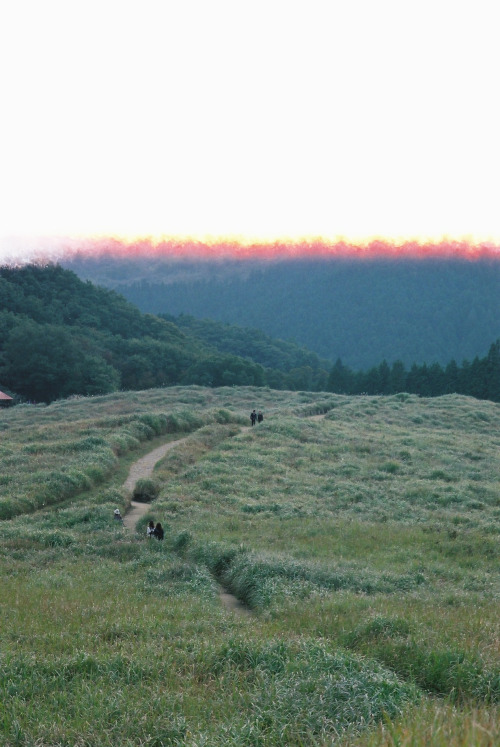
229,121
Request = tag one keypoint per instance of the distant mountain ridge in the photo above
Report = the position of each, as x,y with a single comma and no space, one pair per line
361,311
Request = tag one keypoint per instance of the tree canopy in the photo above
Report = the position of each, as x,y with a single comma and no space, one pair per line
479,378
61,336
361,310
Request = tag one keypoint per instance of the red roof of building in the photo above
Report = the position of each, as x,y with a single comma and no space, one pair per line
4,396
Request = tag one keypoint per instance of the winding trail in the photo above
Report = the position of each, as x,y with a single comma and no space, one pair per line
141,469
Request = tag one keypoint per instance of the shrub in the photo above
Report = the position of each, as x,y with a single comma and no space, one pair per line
157,423
182,541
146,490
305,693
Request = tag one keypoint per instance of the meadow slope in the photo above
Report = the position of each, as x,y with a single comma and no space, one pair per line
365,542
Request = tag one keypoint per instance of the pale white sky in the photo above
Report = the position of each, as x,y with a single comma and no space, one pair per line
262,119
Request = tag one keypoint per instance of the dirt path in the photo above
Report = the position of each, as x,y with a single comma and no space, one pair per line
141,469
144,467
233,604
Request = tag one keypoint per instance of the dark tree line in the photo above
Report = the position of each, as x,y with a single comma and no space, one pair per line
61,336
479,378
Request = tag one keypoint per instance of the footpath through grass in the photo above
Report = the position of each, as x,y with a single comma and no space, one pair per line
366,543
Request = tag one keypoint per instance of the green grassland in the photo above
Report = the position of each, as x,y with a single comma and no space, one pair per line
361,533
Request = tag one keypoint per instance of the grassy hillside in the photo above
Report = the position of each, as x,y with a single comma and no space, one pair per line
361,533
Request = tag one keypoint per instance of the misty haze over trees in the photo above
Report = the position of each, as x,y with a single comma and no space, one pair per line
61,336
360,310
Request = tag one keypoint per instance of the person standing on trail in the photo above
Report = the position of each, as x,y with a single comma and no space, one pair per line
253,417
260,417
150,530
158,531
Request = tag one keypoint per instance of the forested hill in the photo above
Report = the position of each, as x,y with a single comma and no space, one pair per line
362,311
61,336
248,342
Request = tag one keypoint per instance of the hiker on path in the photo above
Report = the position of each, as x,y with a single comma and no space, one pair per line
253,417
150,529
158,531
260,417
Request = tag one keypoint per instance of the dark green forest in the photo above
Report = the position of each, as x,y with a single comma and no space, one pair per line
478,378
303,369
61,336
362,311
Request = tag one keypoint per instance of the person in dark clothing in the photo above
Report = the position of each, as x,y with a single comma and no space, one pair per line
260,417
158,532
253,417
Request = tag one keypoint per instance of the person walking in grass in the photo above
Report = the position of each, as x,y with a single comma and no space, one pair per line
253,417
150,529
117,515
158,531
260,417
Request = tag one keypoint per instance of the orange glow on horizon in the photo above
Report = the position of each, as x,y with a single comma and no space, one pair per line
217,249
313,248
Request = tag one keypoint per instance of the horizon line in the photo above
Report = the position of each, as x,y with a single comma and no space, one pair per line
47,249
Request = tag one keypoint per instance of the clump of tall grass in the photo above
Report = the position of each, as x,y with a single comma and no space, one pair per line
181,542
146,490
268,693
303,692
165,580
318,406
119,551
257,578
457,674
123,442
186,421
10,507
33,537
44,487
437,723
